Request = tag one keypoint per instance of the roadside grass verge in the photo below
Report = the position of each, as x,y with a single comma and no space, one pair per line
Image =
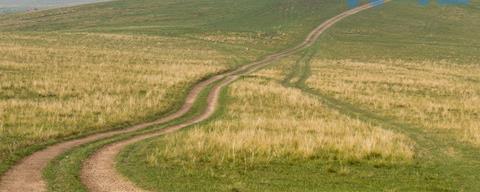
63,173
265,122
263,128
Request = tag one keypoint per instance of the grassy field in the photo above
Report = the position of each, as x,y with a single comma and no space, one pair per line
74,71
268,21
58,85
405,31
265,127
63,173
386,101
266,121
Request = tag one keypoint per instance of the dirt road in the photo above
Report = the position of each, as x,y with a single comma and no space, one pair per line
99,172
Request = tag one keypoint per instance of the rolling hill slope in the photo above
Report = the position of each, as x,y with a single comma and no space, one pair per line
60,67
403,68
386,100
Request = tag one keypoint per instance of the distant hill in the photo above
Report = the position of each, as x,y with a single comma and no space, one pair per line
11,9
8,6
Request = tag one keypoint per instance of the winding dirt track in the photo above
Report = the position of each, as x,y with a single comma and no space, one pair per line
99,172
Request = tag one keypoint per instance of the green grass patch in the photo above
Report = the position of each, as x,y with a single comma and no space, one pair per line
404,30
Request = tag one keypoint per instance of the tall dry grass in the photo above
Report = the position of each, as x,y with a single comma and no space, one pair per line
436,95
55,85
265,122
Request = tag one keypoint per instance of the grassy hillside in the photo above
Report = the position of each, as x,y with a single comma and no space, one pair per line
386,100
406,73
74,71
175,17
55,86
403,30
4,10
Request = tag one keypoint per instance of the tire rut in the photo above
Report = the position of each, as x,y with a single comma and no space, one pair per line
430,147
27,174
99,172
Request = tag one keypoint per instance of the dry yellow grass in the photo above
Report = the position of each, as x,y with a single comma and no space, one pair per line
265,121
54,85
436,95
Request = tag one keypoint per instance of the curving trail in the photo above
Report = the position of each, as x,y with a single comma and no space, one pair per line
99,173
27,174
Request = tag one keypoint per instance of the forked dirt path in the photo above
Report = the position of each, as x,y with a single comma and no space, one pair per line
99,172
